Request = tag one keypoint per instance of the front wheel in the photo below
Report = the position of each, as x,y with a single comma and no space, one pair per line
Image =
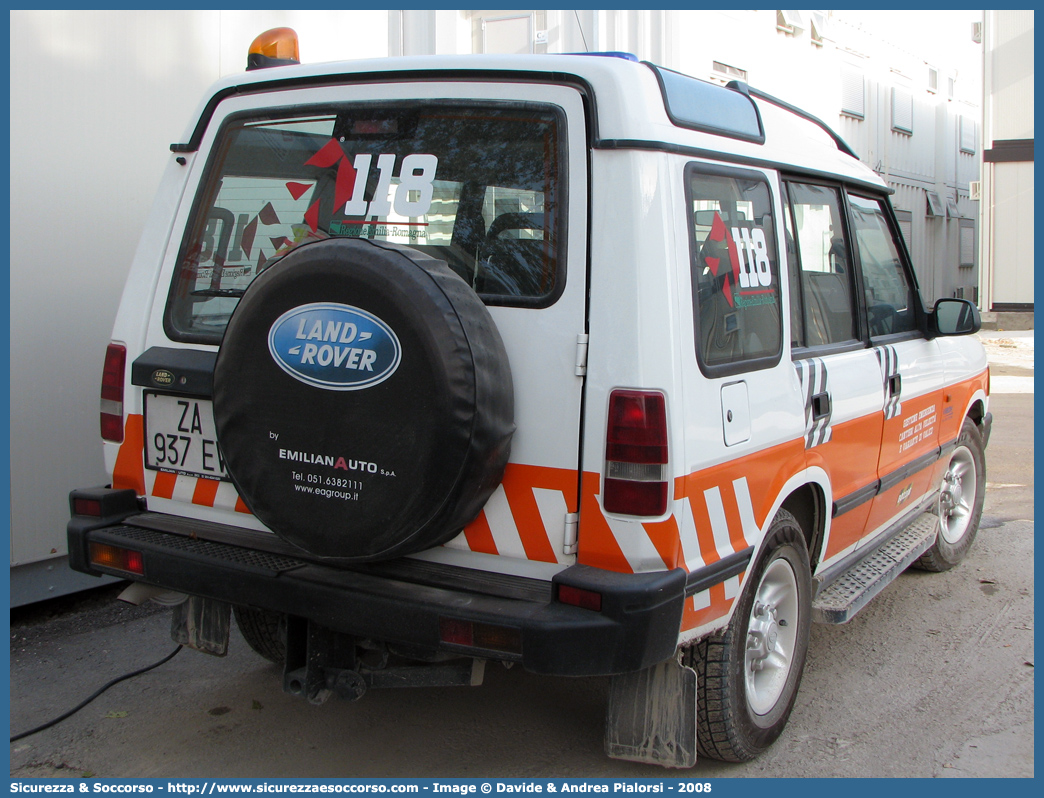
749,674
959,507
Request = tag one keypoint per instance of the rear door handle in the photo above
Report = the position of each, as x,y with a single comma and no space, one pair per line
820,406
895,385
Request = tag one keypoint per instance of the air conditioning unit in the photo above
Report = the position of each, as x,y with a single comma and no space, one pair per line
975,190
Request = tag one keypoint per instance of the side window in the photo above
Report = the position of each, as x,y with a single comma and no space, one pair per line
735,272
825,266
797,304
889,295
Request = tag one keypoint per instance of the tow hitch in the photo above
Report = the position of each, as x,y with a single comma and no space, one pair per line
320,663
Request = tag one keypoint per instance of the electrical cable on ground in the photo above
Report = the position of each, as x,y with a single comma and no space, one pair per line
85,702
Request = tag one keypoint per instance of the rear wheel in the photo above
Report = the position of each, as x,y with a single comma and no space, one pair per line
749,674
264,631
959,507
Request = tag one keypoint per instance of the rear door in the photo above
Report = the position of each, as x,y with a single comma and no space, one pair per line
491,178
838,372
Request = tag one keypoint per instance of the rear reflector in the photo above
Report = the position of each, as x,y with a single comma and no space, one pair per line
636,454
579,597
472,634
112,393
90,507
116,558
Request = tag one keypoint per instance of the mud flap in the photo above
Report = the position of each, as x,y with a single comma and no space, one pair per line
202,624
651,716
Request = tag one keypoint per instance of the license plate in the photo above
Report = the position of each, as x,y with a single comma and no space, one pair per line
180,436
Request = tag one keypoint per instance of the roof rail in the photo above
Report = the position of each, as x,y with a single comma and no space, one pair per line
609,54
743,88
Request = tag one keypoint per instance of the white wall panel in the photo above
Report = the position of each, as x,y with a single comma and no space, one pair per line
1013,232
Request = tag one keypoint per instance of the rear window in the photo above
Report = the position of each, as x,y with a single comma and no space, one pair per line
478,186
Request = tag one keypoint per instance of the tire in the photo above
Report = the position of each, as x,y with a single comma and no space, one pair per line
363,451
745,694
962,492
264,631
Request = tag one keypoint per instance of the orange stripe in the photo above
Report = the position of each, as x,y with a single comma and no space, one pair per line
205,492
664,536
479,536
597,544
163,488
732,517
701,520
518,487
560,479
129,471
241,506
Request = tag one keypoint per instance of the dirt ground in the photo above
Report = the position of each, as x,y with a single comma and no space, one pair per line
933,679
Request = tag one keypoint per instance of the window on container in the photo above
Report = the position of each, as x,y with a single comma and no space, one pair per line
902,110
968,245
477,186
819,26
726,73
933,79
967,133
853,92
935,204
735,271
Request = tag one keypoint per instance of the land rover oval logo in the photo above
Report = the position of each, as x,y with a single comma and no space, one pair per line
162,377
334,347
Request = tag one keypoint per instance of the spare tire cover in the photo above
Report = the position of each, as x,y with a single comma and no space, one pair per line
363,400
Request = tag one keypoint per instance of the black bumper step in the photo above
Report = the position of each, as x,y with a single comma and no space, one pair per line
406,602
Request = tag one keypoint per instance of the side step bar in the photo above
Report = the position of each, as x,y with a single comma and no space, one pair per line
839,601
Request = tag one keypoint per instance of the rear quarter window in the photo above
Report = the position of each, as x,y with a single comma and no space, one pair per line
735,270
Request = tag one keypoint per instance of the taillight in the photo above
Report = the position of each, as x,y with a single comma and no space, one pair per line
473,634
112,393
117,558
636,454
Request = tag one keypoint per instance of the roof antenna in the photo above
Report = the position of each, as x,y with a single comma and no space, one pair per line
581,27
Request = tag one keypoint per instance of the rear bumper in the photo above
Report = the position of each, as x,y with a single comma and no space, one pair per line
404,602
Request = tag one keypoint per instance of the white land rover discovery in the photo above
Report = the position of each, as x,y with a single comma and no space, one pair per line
572,362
